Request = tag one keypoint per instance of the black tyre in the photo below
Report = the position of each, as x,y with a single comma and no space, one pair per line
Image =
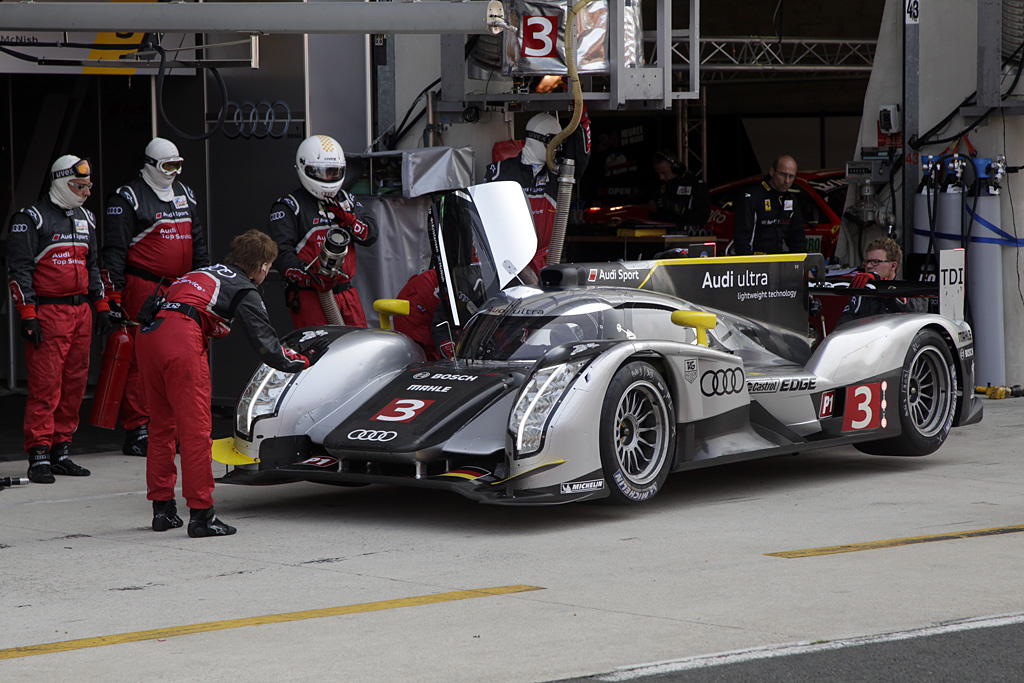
638,433
927,399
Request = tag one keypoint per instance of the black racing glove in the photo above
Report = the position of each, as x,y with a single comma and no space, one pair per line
32,331
316,350
117,316
101,325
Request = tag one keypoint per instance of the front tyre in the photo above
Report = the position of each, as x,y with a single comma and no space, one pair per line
637,434
927,399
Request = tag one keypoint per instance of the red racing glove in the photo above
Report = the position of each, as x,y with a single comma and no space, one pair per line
350,222
861,280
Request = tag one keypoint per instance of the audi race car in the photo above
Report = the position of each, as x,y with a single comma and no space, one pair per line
600,381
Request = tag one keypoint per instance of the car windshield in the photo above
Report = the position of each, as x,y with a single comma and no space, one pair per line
527,328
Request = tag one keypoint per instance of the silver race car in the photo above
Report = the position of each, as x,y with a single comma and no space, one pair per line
600,381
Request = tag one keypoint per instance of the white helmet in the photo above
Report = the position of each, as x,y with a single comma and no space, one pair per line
320,163
66,170
540,130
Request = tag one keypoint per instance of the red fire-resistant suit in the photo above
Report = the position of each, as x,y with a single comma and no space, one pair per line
298,223
53,276
144,239
172,356
421,293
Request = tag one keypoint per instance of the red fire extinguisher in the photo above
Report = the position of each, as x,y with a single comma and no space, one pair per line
117,357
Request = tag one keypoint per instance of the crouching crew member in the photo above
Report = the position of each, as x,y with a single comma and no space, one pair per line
882,261
152,230
172,353
299,223
52,259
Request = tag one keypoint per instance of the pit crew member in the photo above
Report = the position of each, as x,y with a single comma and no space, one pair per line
768,218
882,260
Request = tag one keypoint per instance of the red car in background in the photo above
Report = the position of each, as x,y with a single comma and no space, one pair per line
822,196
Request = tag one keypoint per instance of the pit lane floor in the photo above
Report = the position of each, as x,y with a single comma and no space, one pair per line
387,584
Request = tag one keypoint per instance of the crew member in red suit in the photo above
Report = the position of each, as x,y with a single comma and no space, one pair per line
540,184
421,293
152,230
176,374
53,276
298,223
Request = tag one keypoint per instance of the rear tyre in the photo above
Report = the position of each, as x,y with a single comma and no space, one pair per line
927,399
637,434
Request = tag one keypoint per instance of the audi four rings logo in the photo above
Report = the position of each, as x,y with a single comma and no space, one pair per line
371,435
721,382
257,119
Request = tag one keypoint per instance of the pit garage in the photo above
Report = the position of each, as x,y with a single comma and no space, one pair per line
904,119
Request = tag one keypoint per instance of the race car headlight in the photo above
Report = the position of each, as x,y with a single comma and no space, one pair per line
536,401
261,397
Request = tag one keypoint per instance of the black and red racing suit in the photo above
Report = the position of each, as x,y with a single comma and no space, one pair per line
298,223
54,275
145,239
176,372
542,188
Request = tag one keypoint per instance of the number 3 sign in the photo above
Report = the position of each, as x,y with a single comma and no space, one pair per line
401,410
539,36
864,407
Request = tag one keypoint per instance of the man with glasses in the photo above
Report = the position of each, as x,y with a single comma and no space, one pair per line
768,218
882,261
299,223
52,258
152,234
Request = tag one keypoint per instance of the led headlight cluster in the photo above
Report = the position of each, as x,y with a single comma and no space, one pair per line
261,397
536,401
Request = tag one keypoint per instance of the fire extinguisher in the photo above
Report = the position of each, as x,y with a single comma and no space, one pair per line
117,357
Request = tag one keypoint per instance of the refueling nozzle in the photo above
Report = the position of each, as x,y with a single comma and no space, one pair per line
333,251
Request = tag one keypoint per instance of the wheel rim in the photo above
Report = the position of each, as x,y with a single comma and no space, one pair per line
641,433
928,391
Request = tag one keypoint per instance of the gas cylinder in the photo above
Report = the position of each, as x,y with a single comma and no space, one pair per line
117,357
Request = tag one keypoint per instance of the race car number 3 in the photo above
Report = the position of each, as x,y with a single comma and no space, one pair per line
401,410
864,407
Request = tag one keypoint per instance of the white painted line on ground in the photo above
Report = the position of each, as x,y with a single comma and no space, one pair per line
767,652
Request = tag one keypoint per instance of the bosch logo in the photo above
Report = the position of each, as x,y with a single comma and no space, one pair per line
421,375
114,210
379,435
722,382
277,215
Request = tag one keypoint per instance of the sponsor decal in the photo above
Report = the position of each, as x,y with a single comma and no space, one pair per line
453,378
19,227
158,216
582,486
629,334
592,276
580,348
378,435
312,334
690,370
114,210
429,387
402,410
180,202
722,382
798,384
767,204
421,375
319,461
630,492
763,386
967,353
865,407
619,274
277,215
731,278
964,336
828,404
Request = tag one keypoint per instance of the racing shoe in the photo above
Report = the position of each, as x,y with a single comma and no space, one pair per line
204,522
39,465
165,515
62,464
136,441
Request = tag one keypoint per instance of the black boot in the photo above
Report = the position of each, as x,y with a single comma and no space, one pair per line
39,465
60,463
136,441
165,515
204,522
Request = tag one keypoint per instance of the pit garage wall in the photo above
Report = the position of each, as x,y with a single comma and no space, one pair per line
948,73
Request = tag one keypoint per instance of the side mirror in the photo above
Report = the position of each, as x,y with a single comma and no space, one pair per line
388,308
699,320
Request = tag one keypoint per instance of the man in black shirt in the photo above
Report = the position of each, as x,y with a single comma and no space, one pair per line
681,198
768,216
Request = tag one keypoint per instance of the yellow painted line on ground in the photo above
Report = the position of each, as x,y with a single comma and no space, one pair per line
67,645
893,542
